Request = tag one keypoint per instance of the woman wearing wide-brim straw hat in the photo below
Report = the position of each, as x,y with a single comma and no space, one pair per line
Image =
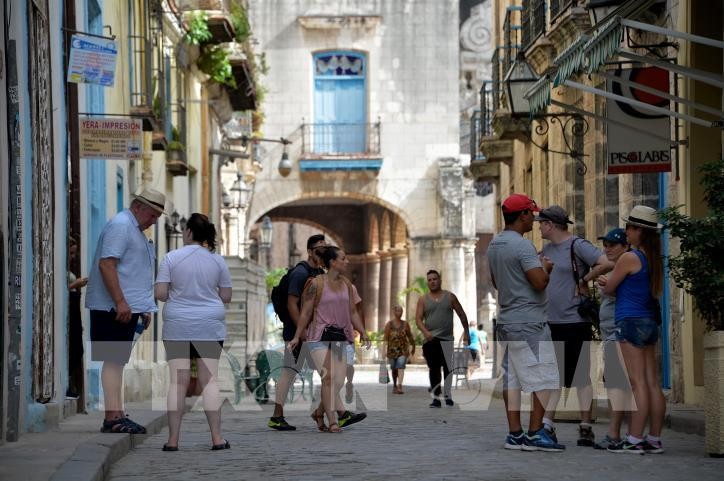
637,281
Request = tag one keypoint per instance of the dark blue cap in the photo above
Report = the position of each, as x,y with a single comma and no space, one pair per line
616,236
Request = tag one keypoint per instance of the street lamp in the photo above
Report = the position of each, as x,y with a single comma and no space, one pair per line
240,192
172,222
285,165
519,79
601,9
266,238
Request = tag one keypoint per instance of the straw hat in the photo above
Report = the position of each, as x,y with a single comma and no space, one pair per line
153,199
643,216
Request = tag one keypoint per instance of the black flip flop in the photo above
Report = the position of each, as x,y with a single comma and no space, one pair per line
219,447
166,447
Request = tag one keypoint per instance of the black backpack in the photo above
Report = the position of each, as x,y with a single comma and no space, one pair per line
280,292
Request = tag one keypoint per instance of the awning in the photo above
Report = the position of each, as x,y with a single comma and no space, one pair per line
570,60
591,53
539,95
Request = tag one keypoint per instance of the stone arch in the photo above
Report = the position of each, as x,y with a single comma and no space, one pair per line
399,234
374,235
385,233
266,200
336,238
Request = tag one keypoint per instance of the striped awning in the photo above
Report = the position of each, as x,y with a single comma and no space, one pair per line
603,44
570,60
539,95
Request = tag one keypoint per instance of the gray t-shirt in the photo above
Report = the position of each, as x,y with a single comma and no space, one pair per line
510,256
563,298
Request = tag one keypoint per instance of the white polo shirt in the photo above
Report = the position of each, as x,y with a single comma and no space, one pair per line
123,239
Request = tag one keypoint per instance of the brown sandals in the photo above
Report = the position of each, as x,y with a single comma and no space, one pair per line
319,419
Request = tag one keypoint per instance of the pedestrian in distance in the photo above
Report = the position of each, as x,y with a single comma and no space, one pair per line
434,319
298,278
637,282
195,284
75,325
615,378
528,357
327,322
399,346
576,262
475,349
120,299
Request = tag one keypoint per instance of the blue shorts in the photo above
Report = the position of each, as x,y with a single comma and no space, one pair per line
637,331
398,362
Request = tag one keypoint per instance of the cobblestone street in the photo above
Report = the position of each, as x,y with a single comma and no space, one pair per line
401,439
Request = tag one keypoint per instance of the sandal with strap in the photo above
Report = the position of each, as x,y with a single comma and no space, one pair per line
319,419
334,428
219,447
122,426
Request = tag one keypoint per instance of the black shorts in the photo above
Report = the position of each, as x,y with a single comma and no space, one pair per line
111,340
193,349
573,353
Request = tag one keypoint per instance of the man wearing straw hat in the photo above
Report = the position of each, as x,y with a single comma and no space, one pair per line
119,293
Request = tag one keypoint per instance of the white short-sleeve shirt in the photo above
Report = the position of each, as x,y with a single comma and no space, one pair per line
194,311
122,239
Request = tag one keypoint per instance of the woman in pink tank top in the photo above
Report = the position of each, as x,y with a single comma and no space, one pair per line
327,322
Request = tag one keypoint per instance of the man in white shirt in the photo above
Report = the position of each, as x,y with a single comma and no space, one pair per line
120,291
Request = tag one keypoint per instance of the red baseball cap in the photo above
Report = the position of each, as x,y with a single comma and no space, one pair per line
519,203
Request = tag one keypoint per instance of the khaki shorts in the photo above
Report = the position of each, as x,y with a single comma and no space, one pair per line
528,357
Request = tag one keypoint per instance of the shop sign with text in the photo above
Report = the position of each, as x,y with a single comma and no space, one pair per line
110,138
631,151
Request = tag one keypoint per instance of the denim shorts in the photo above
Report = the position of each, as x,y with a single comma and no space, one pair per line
398,362
637,331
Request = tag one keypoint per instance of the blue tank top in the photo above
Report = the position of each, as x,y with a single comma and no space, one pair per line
633,295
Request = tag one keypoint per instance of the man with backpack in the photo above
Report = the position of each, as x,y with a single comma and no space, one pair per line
286,298
576,262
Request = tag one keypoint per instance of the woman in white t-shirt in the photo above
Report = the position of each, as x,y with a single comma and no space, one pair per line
195,284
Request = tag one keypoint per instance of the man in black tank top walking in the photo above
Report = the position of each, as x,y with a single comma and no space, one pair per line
434,318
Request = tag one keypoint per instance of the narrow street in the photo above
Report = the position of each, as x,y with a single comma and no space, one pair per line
404,440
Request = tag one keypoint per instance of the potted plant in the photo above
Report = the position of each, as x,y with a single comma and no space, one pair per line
175,150
699,270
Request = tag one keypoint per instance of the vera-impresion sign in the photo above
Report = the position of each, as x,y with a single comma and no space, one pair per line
92,60
631,150
110,138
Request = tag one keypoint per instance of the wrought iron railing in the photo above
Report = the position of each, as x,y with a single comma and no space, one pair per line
559,6
497,79
476,133
511,41
487,108
533,21
338,139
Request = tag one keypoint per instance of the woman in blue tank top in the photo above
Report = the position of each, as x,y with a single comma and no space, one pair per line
637,281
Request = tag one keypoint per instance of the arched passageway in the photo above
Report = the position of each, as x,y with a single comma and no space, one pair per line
373,236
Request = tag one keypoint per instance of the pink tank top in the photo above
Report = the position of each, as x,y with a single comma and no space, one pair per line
333,310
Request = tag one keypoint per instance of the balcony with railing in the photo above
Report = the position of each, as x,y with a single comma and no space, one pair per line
340,147
533,21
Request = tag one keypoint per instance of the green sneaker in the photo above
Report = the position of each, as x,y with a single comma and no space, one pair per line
280,424
348,418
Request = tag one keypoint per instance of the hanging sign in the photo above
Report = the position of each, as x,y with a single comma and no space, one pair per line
110,138
92,60
630,151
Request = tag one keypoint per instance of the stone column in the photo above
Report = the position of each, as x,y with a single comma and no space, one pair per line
383,312
470,300
372,291
398,280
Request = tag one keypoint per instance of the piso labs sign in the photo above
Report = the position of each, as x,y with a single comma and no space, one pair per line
629,150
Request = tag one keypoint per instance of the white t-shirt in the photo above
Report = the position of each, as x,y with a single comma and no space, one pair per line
194,311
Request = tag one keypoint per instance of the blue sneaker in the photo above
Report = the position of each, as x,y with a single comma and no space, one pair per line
514,442
541,441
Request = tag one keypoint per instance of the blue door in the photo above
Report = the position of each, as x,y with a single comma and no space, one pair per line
340,111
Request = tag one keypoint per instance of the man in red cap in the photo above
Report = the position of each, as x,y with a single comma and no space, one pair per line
529,364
